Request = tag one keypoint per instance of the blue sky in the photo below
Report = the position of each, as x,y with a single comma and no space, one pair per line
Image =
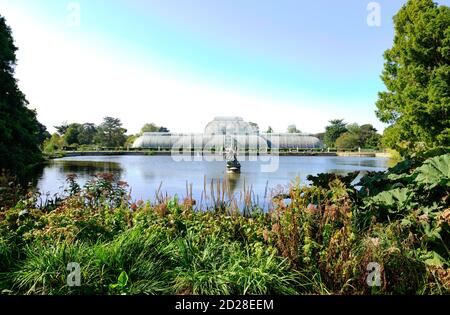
179,63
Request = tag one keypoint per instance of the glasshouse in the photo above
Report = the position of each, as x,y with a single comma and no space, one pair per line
225,132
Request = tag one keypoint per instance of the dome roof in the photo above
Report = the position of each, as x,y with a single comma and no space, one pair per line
229,125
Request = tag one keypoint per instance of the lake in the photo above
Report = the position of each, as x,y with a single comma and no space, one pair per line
147,175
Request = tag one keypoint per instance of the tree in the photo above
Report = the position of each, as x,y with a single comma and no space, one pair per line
55,143
150,128
87,132
153,128
336,128
20,131
110,133
373,142
43,134
269,130
62,128
369,137
348,140
293,129
356,136
71,134
416,73
353,128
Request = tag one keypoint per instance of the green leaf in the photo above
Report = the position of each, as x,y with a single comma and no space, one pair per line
434,172
123,279
393,199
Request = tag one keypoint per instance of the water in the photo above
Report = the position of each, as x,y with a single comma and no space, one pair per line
148,174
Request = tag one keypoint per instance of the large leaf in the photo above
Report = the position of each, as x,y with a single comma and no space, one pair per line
393,200
434,172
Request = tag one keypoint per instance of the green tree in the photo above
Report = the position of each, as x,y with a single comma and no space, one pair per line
110,133
43,134
353,128
55,143
369,137
61,129
71,134
365,137
416,73
86,134
336,128
151,127
293,129
348,140
20,131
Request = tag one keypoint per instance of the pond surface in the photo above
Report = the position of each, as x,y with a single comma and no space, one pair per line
147,175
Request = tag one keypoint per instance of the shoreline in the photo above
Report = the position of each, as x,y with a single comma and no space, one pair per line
167,153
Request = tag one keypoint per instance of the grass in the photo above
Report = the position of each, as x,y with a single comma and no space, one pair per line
321,242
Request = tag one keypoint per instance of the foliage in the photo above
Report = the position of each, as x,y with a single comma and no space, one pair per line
55,143
348,140
110,133
369,137
417,197
61,130
71,134
43,134
151,127
86,133
336,128
434,172
416,74
365,137
323,180
20,133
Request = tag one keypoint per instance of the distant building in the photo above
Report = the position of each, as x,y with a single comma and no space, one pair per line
222,132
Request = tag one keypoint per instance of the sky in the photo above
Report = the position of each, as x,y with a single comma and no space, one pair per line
180,63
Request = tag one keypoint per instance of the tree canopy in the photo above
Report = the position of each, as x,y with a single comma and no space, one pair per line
86,133
151,127
336,128
20,131
416,103
350,136
110,133
364,137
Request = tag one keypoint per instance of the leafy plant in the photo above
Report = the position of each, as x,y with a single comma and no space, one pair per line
122,282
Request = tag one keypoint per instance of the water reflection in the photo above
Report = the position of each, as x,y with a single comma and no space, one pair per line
233,180
88,167
146,174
